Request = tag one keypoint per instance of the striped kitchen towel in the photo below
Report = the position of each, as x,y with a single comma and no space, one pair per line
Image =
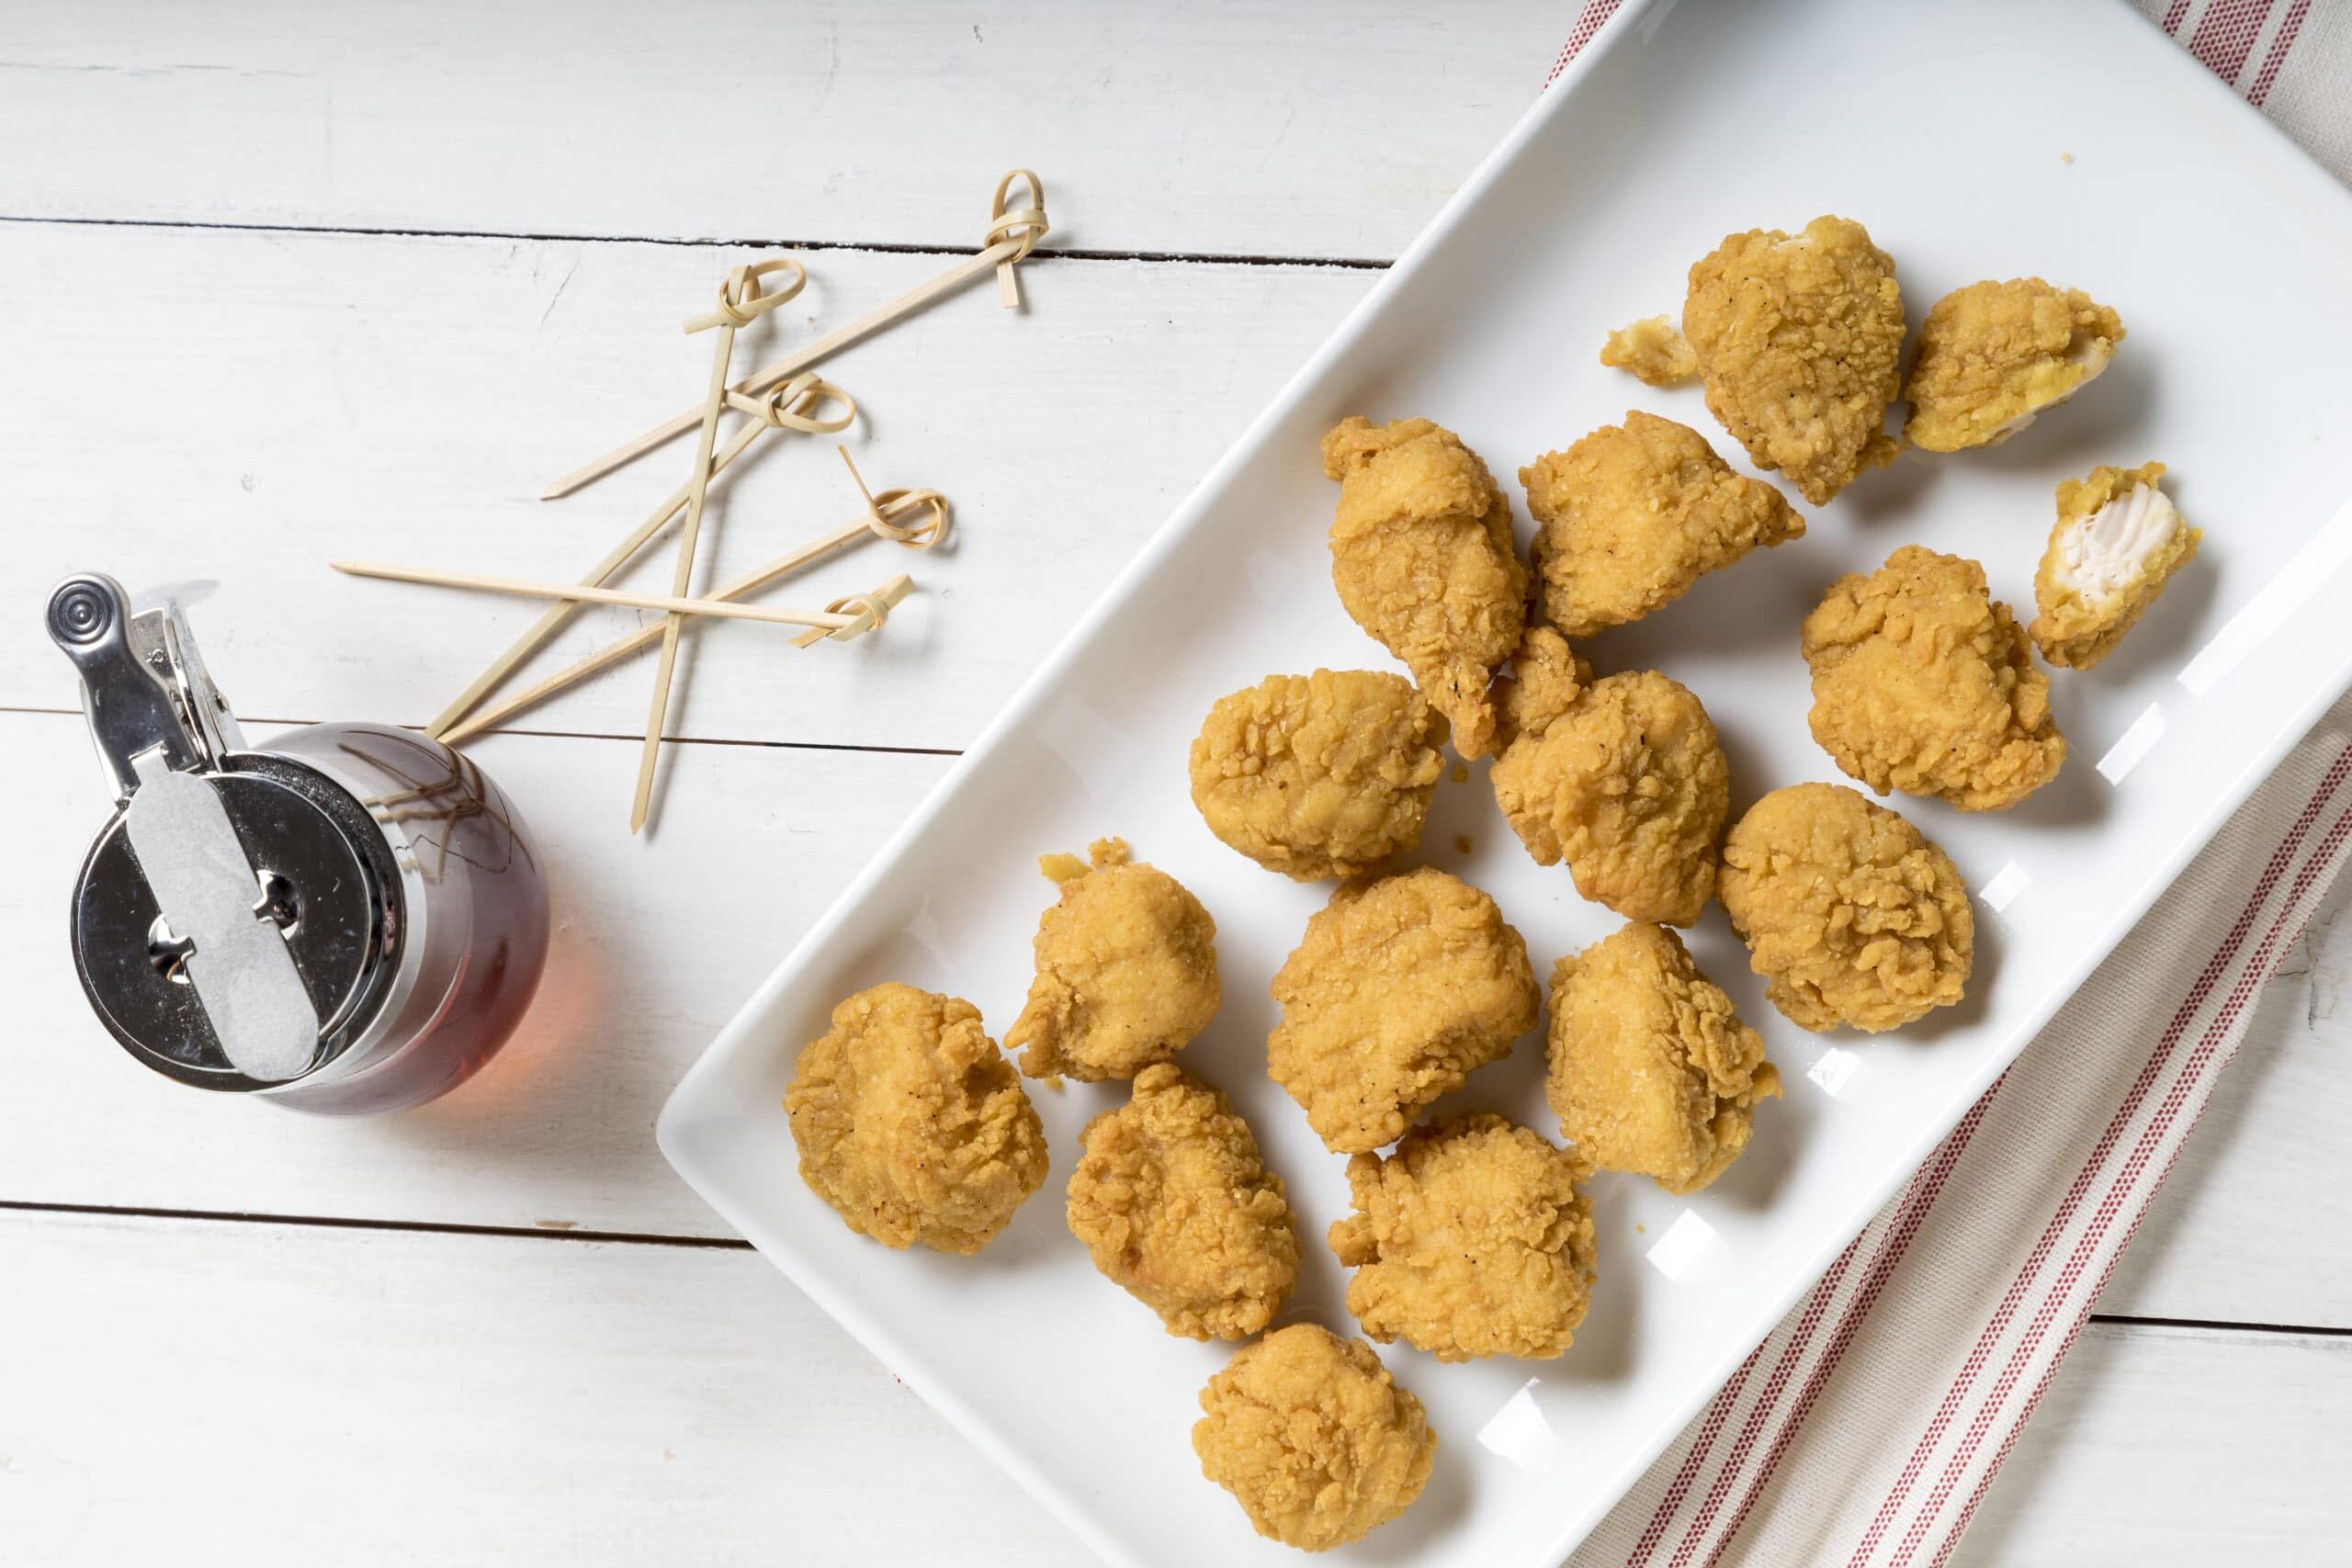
1867,1428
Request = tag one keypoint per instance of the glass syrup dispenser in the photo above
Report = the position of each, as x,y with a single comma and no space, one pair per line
349,920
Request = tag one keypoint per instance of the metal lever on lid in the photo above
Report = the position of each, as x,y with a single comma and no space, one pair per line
162,732
130,709
144,684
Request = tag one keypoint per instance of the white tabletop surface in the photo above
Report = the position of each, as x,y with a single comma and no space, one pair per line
279,285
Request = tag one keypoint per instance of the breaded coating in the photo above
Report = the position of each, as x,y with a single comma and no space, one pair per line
1992,355
1318,775
1651,1070
1422,555
1179,1212
1632,516
2116,545
1630,787
1400,988
1850,914
911,1125
1652,349
1313,1438
1127,970
1546,677
1922,682
1470,1240
1800,341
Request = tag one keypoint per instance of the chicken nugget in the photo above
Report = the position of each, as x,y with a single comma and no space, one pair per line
1632,516
1923,683
1651,1069
1318,775
1653,350
1400,988
1313,1438
1422,556
911,1124
1800,343
1992,355
1177,1209
1127,970
1629,787
1471,1240
1850,913
2116,543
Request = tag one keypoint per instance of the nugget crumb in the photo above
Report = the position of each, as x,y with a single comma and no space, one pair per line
1653,350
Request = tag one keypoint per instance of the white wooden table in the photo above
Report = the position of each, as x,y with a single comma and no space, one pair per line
283,283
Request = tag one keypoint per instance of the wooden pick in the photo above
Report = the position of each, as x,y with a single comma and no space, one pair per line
881,519
740,303
781,408
825,621
1010,238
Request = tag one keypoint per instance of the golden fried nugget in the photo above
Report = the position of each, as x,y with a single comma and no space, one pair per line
1177,1209
2116,545
1652,350
1800,341
1651,1070
1422,555
911,1125
1922,682
1629,787
1850,913
1471,1240
1992,355
1400,988
1632,516
1318,775
1313,1438
1127,970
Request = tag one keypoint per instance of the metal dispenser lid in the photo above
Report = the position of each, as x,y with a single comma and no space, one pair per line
240,922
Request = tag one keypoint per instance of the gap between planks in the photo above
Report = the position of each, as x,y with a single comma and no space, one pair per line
557,1231
266,721
900,247
551,1230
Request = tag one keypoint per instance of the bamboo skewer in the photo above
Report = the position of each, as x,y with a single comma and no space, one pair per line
826,621
1010,238
783,408
740,303
881,518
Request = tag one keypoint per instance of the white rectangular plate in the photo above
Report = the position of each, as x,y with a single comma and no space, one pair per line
1975,140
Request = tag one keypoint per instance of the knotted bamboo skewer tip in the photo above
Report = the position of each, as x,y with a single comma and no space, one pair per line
1027,224
1011,234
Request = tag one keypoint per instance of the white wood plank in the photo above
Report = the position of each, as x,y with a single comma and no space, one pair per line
656,946
2177,1447
2251,1223
203,1393
249,406
239,1394
1233,128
